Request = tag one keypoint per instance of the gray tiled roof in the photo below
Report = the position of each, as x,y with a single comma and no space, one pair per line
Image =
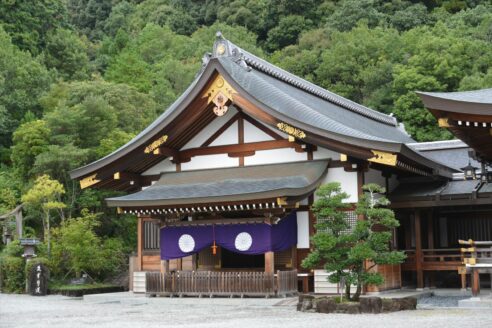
443,189
483,96
297,104
229,184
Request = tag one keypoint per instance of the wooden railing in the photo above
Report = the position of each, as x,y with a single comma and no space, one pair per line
447,259
212,283
286,282
477,258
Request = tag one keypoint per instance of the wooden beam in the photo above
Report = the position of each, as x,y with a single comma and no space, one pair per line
187,154
418,251
240,137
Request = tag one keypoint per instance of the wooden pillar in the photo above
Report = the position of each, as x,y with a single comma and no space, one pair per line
269,262
139,243
475,282
164,266
430,243
240,129
418,251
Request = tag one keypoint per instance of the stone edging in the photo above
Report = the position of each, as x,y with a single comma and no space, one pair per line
327,304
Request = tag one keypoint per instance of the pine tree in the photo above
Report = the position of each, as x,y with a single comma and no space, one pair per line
348,253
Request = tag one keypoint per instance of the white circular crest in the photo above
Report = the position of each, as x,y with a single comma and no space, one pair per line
186,243
243,241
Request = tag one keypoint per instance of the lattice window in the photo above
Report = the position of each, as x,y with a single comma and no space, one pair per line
151,233
351,218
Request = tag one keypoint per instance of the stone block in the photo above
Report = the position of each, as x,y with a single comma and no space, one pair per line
326,305
371,305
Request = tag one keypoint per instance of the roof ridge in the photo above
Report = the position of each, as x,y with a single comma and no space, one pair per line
230,49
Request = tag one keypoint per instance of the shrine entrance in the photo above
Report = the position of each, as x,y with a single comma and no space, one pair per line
232,260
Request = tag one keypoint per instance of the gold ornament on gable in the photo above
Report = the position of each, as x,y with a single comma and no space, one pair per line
292,131
219,92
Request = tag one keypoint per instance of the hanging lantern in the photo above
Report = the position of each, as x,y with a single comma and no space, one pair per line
469,171
214,246
214,249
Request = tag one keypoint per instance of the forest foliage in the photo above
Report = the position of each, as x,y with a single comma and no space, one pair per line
79,78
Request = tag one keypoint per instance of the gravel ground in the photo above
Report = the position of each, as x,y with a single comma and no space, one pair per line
59,311
440,301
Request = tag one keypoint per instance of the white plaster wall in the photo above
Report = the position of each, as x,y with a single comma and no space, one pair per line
253,134
210,129
209,161
347,180
228,137
283,155
163,166
323,153
303,229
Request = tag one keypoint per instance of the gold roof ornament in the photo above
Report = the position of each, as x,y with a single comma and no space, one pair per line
219,92
89,181
156,144
443,122
382,157
290,130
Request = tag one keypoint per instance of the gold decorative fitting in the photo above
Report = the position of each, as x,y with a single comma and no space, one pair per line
221,49
292,139
382,157
282,201
443,122
119,210
343,158
219,92
290,130
117,176
89,181
156,144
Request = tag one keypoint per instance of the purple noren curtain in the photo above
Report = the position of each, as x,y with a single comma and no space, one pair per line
259,238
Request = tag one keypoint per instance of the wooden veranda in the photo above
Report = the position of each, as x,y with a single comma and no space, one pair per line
215,283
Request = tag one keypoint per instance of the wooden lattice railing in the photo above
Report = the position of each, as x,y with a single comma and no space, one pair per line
214,283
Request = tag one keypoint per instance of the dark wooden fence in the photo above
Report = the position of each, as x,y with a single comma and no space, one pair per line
212,283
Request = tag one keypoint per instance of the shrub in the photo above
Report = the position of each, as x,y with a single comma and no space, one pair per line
12,274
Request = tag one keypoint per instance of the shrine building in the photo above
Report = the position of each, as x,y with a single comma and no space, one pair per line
224,179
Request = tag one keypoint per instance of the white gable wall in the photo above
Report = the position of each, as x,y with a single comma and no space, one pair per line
282,155
209,130
253,134
228,137
210,161
347,180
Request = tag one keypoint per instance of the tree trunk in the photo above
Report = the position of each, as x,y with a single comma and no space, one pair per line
48,234
347,291
358,291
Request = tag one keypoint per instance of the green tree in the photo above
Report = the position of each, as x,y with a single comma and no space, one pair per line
46,195
65,52
346,251
287,32
29,22
22,81
30,139
77,247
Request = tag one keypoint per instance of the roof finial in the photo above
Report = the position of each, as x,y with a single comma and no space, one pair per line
221,46
219,36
